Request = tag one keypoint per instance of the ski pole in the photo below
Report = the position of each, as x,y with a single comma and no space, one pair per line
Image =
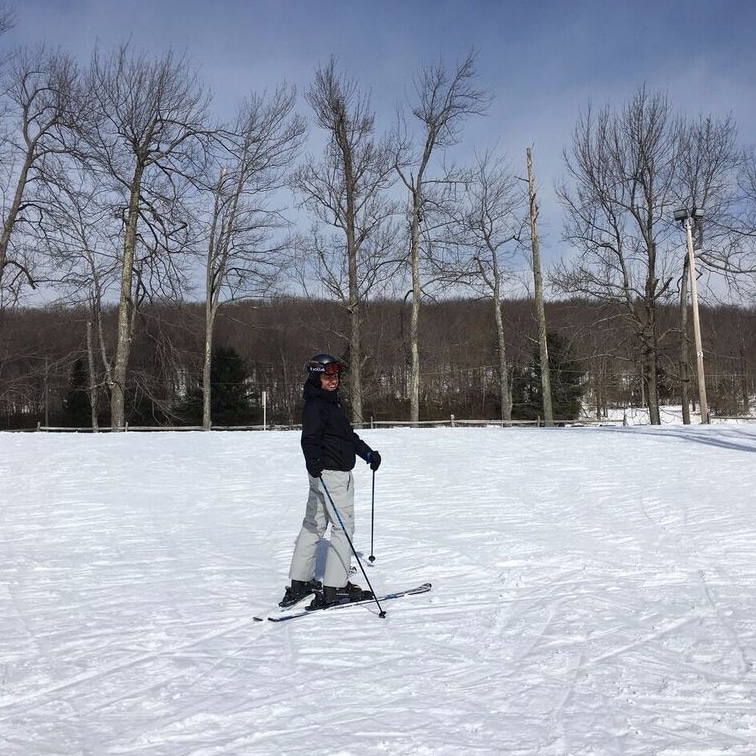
372,519
381,611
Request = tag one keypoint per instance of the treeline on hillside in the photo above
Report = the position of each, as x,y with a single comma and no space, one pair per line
261,349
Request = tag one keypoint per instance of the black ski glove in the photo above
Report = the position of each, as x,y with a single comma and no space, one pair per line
374,460
315,468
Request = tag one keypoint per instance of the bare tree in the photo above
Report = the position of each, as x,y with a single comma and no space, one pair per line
242,258
489,219
621,165
81,238
743,235
630,170
7,18
142,128
747,188
709,159
444,99
535,246
347,190
38,88
720,178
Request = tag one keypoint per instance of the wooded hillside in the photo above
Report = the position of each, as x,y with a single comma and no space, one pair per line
44,361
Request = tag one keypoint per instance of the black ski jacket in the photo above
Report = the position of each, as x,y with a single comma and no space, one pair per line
327,434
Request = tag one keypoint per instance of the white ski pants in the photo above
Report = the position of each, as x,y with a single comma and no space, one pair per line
318,515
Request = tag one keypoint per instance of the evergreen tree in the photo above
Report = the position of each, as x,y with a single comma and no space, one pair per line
229,376
567,383
76,409
230,400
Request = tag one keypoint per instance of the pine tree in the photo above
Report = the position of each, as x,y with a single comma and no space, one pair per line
229,378
567,383
230,399
76,409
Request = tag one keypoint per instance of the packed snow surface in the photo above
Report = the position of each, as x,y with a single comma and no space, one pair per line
594,593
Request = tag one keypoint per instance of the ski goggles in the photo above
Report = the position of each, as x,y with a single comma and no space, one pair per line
332,368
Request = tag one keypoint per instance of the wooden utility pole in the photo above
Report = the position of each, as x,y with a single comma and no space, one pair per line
703,405
684,350
543,349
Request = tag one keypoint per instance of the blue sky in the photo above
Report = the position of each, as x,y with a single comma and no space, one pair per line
543,61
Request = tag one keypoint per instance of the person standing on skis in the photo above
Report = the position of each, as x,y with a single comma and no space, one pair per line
330,447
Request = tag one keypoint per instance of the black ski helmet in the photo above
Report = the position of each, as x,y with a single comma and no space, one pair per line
325,363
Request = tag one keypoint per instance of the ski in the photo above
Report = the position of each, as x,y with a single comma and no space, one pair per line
288,614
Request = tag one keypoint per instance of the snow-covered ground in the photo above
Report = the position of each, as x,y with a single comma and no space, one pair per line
594,593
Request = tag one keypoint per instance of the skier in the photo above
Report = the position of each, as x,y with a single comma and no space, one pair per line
330,448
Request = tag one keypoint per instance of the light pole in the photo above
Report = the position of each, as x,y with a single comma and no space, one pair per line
689,219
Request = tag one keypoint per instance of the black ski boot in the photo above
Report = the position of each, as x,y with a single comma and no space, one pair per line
298,590
345,595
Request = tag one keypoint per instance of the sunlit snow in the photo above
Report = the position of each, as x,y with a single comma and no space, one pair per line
594,593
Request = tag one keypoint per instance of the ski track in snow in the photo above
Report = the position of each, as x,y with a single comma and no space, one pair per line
594,593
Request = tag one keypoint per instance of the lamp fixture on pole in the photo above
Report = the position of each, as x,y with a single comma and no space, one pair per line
689,220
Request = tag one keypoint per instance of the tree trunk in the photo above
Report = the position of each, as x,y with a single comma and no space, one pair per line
650,377
505,391
206,367
92,381
355,324
543,349
414,378
355,366
125,308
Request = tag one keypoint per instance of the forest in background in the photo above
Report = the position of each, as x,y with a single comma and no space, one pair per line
263,346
